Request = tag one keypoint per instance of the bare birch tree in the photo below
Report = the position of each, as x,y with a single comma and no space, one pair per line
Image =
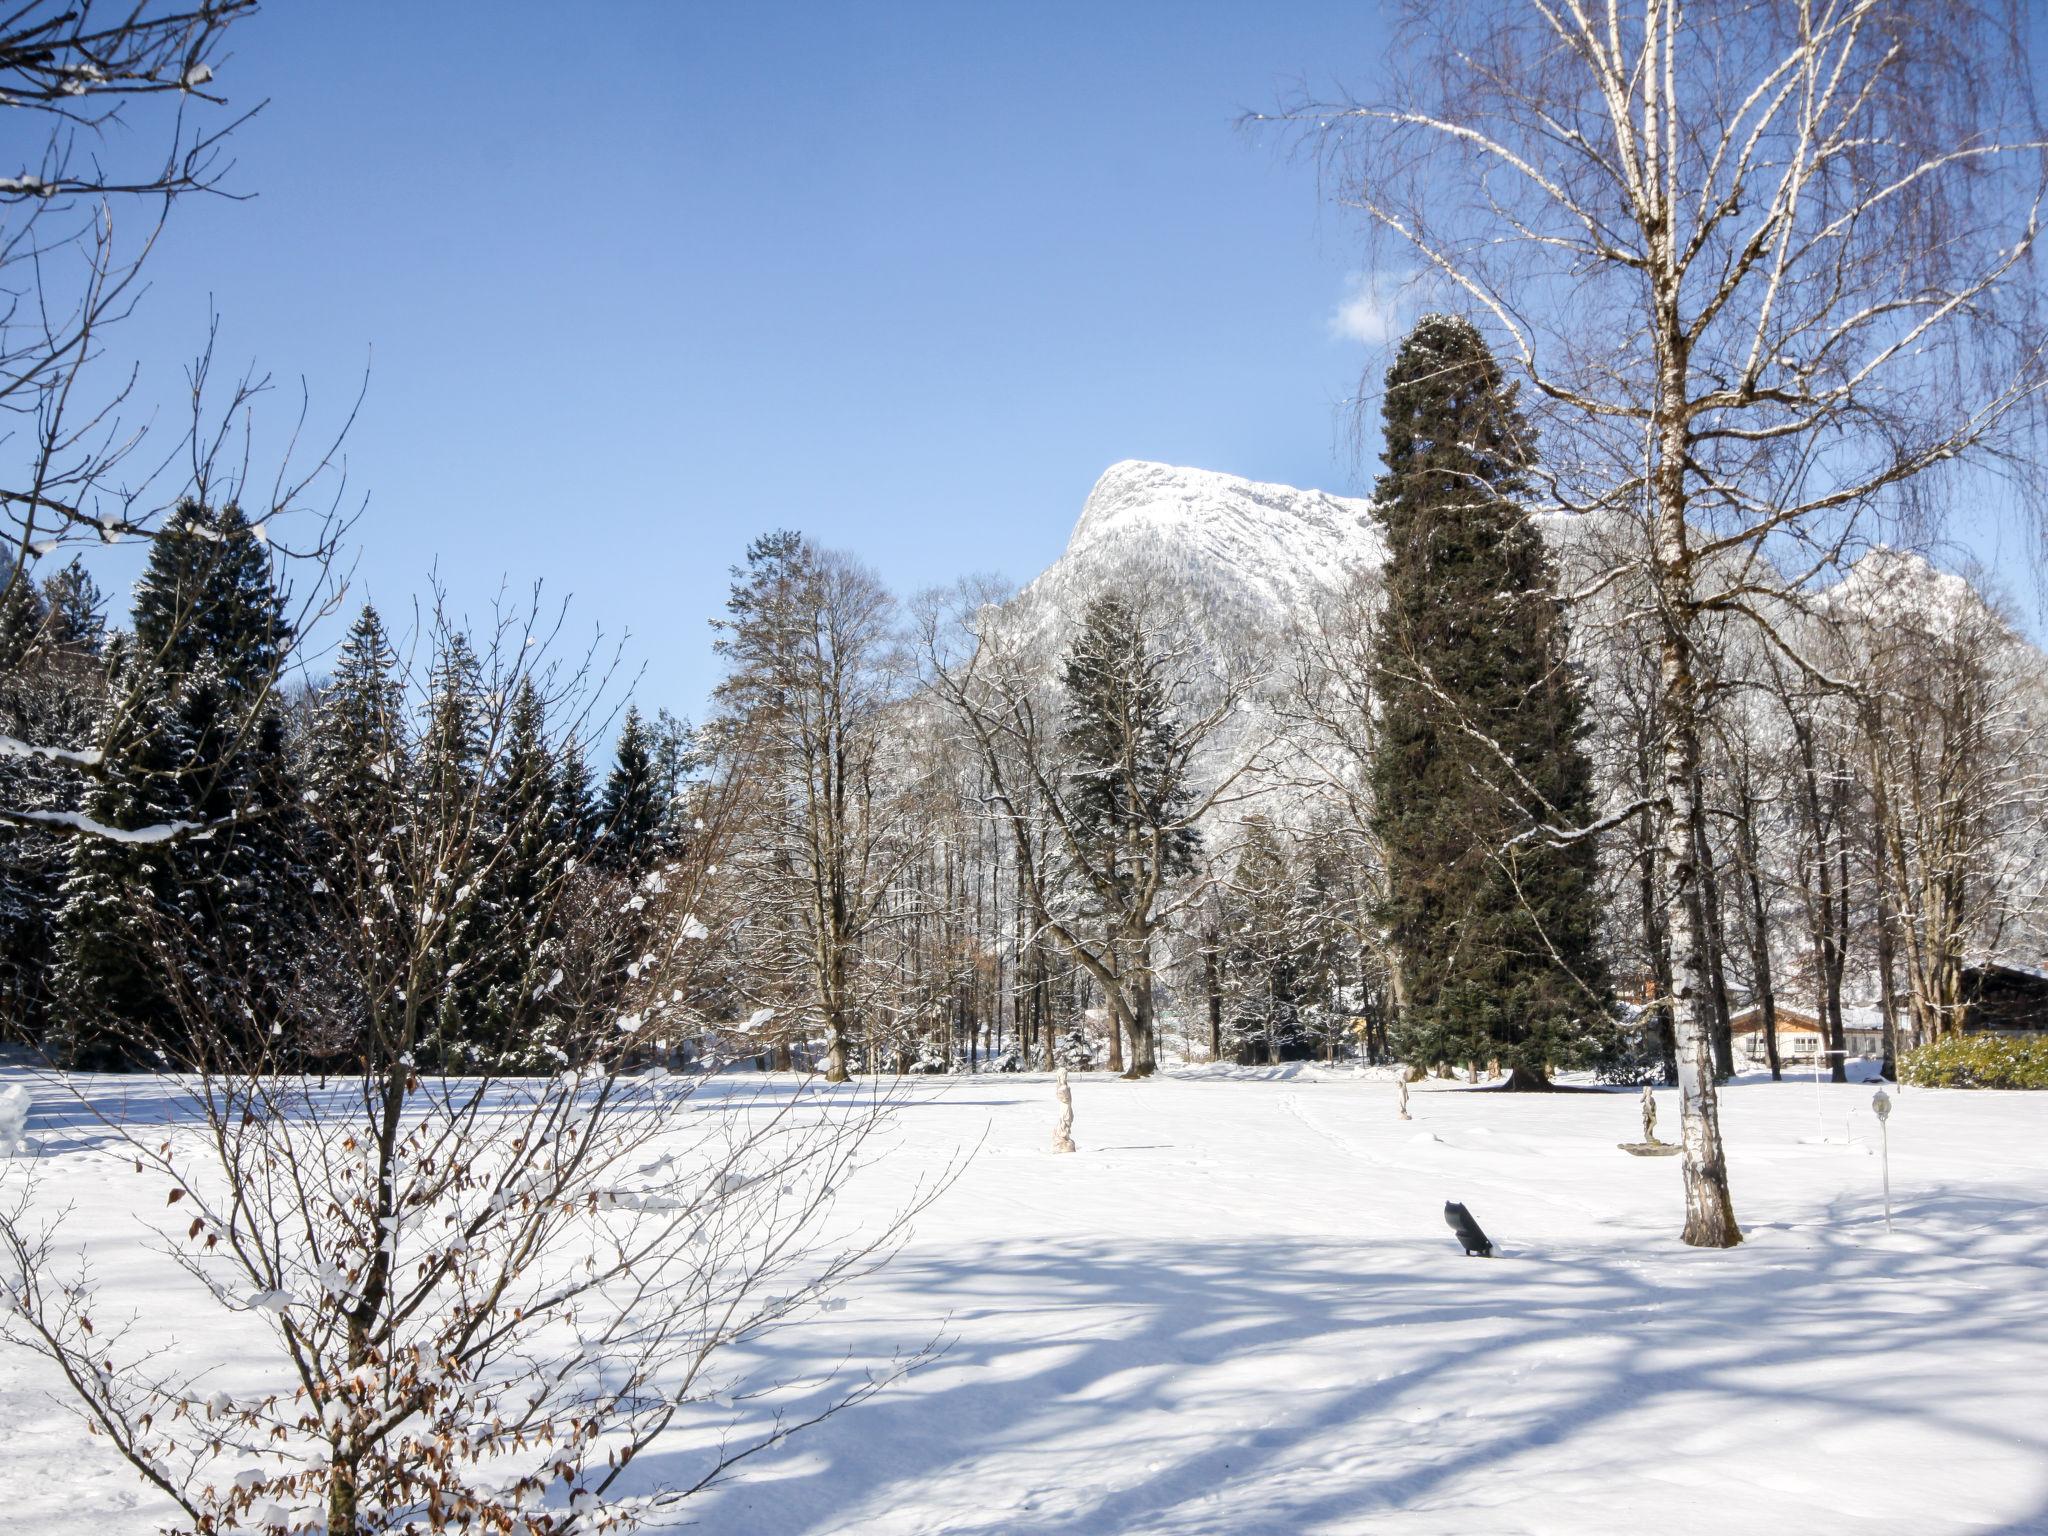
1767,265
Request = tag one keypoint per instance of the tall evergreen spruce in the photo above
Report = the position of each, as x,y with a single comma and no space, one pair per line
52,683
632,810
1127,793
356,778
156,939
575,797
356,763
1480,736
521,896
675,760
1263,950
454,845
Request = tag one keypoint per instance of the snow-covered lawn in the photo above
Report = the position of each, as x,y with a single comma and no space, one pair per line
1237,1309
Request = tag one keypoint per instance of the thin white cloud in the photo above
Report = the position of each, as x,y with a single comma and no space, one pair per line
1372,307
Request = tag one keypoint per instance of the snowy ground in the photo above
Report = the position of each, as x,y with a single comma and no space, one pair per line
1237,1309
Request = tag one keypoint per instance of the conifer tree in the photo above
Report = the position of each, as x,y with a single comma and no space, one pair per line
200,929
52,683
453,842
675,759
575,798
632,810
72,600
1262,955
1480,735
1128,796
356,766
521,898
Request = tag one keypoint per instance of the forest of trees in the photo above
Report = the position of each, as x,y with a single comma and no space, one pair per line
961,838
1648,710
1638,722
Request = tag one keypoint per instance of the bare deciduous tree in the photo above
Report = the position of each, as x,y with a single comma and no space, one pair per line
811,652
132,124
455,1300
1088,894
1767,266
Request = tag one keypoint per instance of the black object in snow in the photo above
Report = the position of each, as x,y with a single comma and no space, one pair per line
1460,1221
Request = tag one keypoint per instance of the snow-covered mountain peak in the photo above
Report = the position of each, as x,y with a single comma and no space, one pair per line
1893,588
1252,521
1248,552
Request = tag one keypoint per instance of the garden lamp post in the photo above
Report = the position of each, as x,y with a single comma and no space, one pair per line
1881,1105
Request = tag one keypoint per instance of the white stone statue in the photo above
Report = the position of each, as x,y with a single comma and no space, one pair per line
1063,1133
1404,1098
1649,1117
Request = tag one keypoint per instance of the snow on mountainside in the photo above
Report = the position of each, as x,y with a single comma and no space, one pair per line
1245,555
1891,586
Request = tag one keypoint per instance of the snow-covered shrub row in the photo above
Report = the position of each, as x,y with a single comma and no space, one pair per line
1977,1061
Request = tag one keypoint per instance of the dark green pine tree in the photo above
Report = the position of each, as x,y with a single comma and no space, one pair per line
183,946
352,751
356,768
52,684
632,811
675,763
1480,737
77,621
1127,784
575,796
521,893
1324,916
1127,793
453,837
1262,950
23,616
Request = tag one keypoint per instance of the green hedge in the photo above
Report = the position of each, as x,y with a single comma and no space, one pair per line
1977,1061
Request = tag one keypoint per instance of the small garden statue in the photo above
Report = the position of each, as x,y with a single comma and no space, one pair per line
1404,1098
1063,1133
1650,1146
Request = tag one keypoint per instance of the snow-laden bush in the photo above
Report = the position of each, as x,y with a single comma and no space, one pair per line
1977,1061
13,1121
1075,1051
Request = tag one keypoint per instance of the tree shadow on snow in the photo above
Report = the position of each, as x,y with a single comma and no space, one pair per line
1648,1374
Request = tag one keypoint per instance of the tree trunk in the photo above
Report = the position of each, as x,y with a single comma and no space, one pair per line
1887,997
342,1496
1714,939
1657,950
1838,937
1213,983
835,1045
1709,1209
1880,818
1041,1011
1759,930
1144,1040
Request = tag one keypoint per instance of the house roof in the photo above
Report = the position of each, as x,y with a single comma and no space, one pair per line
1792,1020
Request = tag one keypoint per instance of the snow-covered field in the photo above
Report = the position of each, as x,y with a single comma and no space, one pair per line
1237,1309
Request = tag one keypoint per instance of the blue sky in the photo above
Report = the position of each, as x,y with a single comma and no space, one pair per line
636,282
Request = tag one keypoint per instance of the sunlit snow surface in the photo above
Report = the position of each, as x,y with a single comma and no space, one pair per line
1237,1309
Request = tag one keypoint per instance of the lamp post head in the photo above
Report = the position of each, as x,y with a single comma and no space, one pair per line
1881,1105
